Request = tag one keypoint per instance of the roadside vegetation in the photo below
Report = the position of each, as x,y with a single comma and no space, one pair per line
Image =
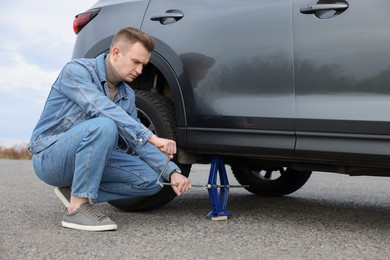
17,152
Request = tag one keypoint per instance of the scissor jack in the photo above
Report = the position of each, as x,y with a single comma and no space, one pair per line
218,200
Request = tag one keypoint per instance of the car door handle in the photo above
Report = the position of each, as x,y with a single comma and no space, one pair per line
170,16
310,9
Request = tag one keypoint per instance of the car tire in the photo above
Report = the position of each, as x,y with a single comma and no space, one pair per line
270,182
158,114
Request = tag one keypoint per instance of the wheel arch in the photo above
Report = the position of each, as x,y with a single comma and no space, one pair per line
175,85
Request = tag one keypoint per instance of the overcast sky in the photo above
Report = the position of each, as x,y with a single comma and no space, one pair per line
36,41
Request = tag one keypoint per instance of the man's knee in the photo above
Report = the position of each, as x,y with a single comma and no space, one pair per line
106,128
106,125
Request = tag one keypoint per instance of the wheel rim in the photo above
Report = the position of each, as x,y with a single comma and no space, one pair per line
268,175
146,121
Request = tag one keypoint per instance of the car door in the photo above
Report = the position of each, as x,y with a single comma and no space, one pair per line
342,76
238,58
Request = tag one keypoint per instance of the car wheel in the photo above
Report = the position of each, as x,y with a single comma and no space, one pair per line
158,114
270,182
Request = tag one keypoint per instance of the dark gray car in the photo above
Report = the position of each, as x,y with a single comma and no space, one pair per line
280,88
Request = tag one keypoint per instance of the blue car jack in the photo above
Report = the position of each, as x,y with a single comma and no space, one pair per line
218,200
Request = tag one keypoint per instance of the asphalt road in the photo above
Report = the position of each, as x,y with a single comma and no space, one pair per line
332,217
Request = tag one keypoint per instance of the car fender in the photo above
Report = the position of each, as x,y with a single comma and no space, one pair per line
171,66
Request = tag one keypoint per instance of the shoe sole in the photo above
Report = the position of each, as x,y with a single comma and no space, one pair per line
89,228
62,197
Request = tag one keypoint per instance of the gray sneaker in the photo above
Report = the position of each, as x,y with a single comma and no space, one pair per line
87,218
64,194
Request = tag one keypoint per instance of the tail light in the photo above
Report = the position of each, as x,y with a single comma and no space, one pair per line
83,19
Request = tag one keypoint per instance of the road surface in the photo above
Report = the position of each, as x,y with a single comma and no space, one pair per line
332,217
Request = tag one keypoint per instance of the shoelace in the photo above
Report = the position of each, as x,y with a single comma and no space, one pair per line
90,211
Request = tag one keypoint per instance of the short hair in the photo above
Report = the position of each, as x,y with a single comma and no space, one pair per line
132,35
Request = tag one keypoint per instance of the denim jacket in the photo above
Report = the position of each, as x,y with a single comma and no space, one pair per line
81,93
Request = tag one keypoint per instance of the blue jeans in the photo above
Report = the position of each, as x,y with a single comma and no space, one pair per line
85,158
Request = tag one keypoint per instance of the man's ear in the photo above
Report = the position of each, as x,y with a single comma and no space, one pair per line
115,52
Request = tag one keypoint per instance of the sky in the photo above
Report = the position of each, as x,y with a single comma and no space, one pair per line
36,42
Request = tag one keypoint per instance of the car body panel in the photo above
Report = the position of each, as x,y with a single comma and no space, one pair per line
246,82
342,76
95,38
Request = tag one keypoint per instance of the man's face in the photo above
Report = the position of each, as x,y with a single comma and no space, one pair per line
129,62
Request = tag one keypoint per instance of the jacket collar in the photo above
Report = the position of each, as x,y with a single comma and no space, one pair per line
101,72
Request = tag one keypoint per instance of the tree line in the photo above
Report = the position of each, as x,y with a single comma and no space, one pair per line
17,152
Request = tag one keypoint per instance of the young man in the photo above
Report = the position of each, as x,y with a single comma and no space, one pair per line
89,122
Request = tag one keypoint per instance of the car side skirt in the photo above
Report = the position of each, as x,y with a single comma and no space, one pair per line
353,154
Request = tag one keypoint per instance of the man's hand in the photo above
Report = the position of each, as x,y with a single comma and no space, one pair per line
166,146
180,183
